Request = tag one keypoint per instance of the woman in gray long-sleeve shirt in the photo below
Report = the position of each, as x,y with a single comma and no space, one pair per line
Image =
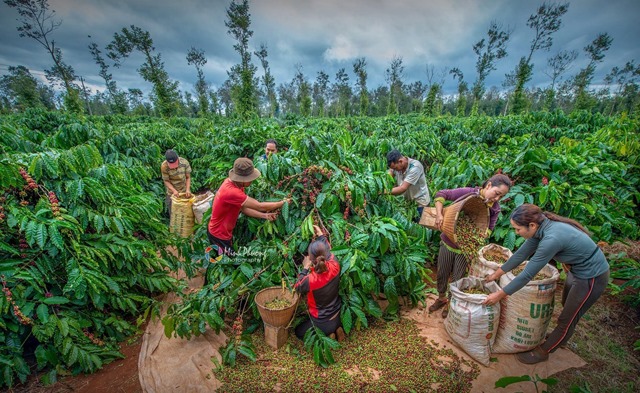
550,236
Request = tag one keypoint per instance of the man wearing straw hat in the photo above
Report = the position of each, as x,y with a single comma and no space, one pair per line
410,179
176,175
231,200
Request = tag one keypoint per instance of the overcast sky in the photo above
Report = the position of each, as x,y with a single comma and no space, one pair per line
323,35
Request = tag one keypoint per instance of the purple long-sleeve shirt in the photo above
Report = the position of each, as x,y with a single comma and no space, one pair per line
457,193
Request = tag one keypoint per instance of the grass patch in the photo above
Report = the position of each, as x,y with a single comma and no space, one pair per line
386,357
602,338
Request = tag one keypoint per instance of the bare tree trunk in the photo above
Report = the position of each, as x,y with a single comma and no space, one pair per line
86,97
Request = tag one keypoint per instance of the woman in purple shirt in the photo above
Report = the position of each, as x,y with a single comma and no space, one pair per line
451,262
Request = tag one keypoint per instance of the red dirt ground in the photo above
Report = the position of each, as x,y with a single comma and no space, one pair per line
119,376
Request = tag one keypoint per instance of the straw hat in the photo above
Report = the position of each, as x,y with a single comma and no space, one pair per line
243,170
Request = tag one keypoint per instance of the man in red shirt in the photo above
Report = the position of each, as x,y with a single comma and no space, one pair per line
231,200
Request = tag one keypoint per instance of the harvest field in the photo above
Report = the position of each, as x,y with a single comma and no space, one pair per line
83,235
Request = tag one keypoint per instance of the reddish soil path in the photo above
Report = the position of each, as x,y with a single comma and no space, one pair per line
120,376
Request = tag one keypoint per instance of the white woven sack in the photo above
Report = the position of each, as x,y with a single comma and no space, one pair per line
526,314
471,325
483,266
201,205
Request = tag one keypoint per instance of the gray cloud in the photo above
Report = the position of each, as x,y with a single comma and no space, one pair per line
322,35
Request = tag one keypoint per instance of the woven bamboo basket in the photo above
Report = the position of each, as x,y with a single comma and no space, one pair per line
182,218
276,318
473,206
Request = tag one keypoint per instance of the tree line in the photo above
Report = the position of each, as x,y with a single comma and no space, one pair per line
246,93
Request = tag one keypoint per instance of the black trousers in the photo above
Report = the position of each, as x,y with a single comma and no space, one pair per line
222,246
578,296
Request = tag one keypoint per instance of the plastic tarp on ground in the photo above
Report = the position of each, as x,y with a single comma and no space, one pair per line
178,365
432,327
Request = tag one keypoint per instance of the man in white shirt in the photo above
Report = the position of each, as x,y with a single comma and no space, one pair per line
410,179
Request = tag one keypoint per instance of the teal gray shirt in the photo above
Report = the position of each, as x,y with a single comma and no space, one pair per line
562,242
414,175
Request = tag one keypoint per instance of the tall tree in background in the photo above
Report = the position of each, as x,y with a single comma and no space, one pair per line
268,81
304,92
23,91
342,94
595,50
360,69
215,108
488,50
545,22
38,23
463,88
196,57
320,89
287,97
117,99
433,102
165,91
626,94
394,76
136,102
244,93
414,97
379,101
226,101
557,65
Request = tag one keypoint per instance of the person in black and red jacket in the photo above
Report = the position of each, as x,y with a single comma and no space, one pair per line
319,280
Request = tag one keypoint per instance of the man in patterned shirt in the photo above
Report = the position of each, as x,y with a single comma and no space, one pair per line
176,175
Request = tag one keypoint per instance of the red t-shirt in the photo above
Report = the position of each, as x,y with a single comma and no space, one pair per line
225,210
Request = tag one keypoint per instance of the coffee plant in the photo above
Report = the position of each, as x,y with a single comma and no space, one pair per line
83,236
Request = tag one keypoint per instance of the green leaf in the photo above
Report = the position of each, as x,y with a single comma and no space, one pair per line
41,235
63,326
518,199
31,232
320,199
7,248
543,195
73,357
248,352
384,245
506,381
390,287
56,237
43,313
56,300
510,240
98,223
247,270
67,344
169,326
361,317
317,358
346,319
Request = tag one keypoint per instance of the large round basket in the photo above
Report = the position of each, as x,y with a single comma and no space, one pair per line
474,207
276,318
182,219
